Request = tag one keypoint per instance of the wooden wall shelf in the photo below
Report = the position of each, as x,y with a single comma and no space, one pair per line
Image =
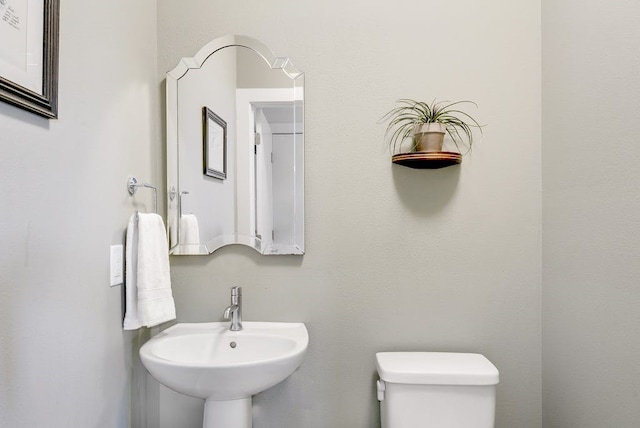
427,160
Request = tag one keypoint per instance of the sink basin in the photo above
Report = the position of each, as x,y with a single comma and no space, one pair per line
207,360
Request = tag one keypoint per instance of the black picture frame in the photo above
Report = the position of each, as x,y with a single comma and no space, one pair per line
214,144
44,103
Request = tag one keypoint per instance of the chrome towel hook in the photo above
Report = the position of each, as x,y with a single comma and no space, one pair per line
132,186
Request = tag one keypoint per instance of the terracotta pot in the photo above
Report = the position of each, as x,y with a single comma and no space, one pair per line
428,137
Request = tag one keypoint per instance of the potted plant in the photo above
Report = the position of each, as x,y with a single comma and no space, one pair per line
427,123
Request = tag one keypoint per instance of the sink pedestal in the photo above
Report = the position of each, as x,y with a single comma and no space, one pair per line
227,414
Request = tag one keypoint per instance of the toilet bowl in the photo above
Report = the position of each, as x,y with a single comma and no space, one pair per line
436,390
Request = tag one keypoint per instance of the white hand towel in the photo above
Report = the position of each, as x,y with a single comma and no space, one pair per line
149,300
189,230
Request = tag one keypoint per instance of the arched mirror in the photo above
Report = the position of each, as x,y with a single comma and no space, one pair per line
235,150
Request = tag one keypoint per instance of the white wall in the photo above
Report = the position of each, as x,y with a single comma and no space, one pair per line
397,259
64,358
591,188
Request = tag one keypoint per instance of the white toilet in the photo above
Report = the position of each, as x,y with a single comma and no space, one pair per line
436,390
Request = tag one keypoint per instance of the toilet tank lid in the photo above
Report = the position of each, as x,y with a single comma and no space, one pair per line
436,368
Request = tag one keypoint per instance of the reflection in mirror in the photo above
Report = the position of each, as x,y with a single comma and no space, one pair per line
235,150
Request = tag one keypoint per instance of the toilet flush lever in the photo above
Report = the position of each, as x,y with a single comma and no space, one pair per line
381,389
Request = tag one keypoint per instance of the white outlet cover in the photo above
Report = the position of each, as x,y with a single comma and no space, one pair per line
117,265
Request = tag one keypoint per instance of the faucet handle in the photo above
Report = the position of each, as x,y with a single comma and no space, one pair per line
236,291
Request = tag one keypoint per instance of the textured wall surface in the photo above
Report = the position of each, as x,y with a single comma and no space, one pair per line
64,358
591,188
397,259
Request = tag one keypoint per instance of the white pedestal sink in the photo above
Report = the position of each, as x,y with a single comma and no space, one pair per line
207,360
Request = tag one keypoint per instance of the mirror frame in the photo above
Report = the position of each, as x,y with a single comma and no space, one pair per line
175,194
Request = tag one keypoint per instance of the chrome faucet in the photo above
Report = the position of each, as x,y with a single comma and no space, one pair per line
234,311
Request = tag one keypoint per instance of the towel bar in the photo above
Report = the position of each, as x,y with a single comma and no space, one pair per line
133,185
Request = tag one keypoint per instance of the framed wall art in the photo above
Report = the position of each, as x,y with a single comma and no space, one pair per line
29,55
214,131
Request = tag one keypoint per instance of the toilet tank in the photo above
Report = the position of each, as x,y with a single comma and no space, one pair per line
436,390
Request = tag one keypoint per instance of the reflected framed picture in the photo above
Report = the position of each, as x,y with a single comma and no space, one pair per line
214,150
29,55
